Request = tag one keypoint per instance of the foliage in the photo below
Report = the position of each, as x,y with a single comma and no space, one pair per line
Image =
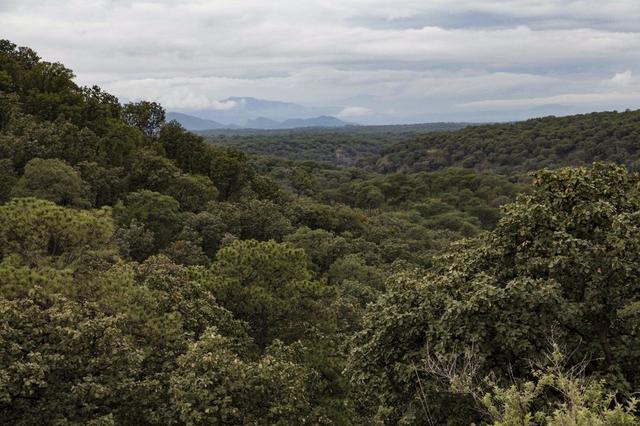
51,180
36,232
65,362
581,402
534,144
213,386
148,117
268,285
567,252
149,276
342,147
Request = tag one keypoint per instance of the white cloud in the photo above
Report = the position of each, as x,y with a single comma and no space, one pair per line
354,111
564,99
225,105
622,78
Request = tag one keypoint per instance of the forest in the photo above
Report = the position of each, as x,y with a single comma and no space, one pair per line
484,275
337,146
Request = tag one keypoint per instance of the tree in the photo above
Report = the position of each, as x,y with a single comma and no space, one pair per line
65,362
106,184
579,401
193,192
118,143
186,253
213,385
240,219
322,247
268,285
151,171
38,232
8,178
189,151
564,258
229,171
159,213
148,117
52,180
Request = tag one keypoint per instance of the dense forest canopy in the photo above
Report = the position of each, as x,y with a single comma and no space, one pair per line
340,146
150,276
507,148
530,145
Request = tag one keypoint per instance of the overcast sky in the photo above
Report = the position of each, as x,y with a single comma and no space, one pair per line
392,61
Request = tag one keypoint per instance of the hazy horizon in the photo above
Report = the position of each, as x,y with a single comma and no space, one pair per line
367,62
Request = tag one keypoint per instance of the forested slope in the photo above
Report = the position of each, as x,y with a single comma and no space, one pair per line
150,277
520,147
342,147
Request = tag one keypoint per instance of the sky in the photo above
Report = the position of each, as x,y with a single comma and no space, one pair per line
374,61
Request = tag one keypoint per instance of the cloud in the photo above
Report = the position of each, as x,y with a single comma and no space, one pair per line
622,78
565,99
225,105
417,59
354,111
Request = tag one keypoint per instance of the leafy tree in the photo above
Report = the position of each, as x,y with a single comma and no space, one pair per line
151,171
189,151
193,192
65,362
159,213
135,241
186,253
99,108
38,232
230,172
322,247
52,180
353,267
205,229
240,219
148,117
563,258
8,178
212,385
268,285
106,184
118,143
582,402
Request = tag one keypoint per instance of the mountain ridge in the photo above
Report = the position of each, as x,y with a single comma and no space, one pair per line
198,124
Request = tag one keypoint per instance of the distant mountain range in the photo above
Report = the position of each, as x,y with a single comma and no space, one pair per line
196,124
253,113
294,123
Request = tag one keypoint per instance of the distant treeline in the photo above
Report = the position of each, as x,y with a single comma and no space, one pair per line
339,146
519,147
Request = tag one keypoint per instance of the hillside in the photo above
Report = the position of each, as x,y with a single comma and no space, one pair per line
338,146
520,147
151,277
129,232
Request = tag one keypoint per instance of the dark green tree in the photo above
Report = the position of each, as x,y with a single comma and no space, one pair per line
148,117
268,285
159,213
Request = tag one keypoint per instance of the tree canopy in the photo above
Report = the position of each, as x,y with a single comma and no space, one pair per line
151,276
